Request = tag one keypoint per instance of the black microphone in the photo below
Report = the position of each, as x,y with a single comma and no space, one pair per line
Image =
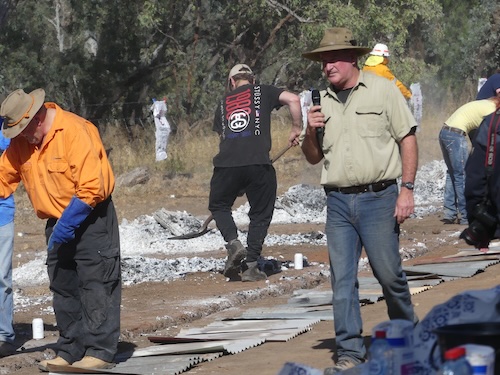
316,99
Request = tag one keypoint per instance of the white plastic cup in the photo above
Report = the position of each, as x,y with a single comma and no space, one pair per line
298,261
37,327
481,358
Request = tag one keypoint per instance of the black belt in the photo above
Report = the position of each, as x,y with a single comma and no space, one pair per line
454,130
375,187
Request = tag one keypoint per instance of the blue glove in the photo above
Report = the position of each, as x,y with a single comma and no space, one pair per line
71,218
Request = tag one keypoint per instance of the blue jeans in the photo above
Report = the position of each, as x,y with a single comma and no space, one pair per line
455,153
355,221
6,293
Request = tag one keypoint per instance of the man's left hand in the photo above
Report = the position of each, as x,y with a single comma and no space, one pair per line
405,205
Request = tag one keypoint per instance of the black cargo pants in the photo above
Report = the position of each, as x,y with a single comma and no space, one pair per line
85,280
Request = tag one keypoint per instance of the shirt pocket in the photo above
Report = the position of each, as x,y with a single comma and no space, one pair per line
57,167
27,176
371,121
57,175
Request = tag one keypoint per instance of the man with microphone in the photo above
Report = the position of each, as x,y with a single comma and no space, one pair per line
368,143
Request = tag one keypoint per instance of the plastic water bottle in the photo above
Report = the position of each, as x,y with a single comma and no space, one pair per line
380,356
455,363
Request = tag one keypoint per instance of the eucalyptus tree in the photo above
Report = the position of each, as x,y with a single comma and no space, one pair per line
107,59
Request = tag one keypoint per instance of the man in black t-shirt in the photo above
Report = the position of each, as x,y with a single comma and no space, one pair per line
243,121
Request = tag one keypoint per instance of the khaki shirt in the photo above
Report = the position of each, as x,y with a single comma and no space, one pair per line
361,138
70,162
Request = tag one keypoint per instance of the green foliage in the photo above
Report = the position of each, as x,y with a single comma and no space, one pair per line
107,59
468,46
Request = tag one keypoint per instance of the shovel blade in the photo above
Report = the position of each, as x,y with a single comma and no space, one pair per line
188,236
204,229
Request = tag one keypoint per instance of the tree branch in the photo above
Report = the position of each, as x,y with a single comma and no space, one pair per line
270,40
275,4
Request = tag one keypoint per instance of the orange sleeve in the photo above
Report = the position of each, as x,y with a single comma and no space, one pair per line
9,177
404,90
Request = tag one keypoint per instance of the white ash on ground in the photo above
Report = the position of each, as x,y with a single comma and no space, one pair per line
148,255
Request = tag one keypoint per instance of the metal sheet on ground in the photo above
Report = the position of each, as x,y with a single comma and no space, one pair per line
55,369
164,364
305,297
231,346
154,365
270,329
291,312
466,269
459,259
183,348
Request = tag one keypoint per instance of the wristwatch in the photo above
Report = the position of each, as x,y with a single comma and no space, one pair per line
408,185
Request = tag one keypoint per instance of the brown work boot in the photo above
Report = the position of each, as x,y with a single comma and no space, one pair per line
253,273
58,361
93,362
236,252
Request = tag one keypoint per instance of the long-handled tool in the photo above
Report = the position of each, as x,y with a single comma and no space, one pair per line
204,228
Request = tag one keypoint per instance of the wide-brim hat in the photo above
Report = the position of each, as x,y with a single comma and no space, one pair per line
18,109
336,39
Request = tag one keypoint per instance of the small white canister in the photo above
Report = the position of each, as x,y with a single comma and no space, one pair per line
481,358
298,261
37,327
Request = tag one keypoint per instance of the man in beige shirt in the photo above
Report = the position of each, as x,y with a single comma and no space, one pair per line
368,143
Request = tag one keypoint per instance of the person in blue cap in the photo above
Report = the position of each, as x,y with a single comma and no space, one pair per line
490,88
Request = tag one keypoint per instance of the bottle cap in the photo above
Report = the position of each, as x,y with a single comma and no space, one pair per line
454,353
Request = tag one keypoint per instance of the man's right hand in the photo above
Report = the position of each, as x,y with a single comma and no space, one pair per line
315,118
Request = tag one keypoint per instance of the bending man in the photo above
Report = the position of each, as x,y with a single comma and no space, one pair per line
62,163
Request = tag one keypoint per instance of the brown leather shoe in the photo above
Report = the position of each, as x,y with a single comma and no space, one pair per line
93,362
59,361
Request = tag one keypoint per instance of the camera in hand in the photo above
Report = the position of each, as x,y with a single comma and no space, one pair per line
481,230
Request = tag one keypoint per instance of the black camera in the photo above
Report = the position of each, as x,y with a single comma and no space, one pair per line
482,229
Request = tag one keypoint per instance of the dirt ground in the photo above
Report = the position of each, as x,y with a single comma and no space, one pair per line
164,308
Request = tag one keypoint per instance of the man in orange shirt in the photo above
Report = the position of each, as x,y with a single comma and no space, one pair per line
62,163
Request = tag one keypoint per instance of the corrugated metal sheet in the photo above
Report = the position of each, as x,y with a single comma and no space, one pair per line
277,323
268,329
466,269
